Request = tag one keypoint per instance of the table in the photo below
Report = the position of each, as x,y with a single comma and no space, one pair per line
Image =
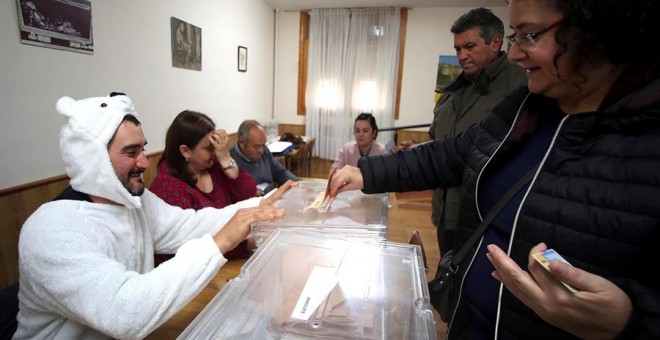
278,148
404,216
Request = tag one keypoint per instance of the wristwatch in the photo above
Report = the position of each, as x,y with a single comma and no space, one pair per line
232,164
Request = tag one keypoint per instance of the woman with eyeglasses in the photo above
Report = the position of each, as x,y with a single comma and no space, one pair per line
589,118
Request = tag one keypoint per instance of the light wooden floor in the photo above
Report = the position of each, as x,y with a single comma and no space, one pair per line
320,167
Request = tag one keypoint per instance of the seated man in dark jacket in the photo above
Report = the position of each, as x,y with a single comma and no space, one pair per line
252,155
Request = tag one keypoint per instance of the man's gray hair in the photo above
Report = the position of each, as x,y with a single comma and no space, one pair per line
244,129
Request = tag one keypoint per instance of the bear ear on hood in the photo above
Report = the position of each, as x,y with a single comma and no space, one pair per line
65,106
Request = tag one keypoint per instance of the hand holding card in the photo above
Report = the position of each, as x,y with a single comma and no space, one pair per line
544,258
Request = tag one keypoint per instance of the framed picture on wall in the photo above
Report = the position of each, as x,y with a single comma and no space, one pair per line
186,45
242,58
60,24
448,70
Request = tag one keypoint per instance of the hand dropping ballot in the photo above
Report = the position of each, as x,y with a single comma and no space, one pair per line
322,202
544,258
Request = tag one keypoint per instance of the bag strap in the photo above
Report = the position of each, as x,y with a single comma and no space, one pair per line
476,235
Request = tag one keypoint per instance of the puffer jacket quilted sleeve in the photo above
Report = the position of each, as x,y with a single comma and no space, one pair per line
445,163
455,160
428,166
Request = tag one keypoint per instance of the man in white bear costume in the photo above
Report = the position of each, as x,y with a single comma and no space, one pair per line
86,258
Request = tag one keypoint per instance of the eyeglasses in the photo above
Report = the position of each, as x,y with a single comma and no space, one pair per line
528,41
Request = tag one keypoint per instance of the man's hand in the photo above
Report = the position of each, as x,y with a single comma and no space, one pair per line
237,228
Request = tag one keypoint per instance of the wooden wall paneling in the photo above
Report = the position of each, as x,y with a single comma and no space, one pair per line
233,138
15,207
149,175
10,226
417,136
293,128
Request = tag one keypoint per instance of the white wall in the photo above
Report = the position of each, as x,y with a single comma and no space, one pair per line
132,54
427,37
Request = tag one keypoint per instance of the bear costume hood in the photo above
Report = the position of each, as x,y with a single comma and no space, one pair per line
84,142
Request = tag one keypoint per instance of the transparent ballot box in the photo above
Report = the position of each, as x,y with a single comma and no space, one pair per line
304,284
352,213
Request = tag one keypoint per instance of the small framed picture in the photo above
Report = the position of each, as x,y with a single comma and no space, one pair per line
242,58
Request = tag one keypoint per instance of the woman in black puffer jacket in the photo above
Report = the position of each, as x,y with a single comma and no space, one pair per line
590,116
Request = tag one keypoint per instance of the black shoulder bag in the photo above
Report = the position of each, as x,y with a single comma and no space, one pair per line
442,289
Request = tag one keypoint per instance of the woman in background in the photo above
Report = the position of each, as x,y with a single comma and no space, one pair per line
196,171
365,131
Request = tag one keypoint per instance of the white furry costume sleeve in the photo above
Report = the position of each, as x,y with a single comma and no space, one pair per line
87,269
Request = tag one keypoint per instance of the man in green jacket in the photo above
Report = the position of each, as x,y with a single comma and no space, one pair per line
487,76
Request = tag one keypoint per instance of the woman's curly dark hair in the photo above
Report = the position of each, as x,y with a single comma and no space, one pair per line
622,32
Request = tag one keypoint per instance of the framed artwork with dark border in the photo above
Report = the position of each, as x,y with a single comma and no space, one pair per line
59,24
186,45
242,59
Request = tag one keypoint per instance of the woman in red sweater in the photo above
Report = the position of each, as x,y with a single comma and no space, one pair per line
196,171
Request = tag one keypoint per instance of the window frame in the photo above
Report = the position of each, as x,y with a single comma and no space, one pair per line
303,52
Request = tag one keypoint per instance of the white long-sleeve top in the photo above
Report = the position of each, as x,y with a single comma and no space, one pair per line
87,269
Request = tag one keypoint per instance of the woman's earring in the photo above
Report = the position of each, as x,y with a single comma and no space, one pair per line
186,159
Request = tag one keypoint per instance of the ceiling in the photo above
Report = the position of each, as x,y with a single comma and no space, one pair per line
296,5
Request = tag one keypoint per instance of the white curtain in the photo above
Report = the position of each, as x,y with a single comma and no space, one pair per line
352,68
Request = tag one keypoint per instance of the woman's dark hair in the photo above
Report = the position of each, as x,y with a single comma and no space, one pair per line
619,31
188,128
370,118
